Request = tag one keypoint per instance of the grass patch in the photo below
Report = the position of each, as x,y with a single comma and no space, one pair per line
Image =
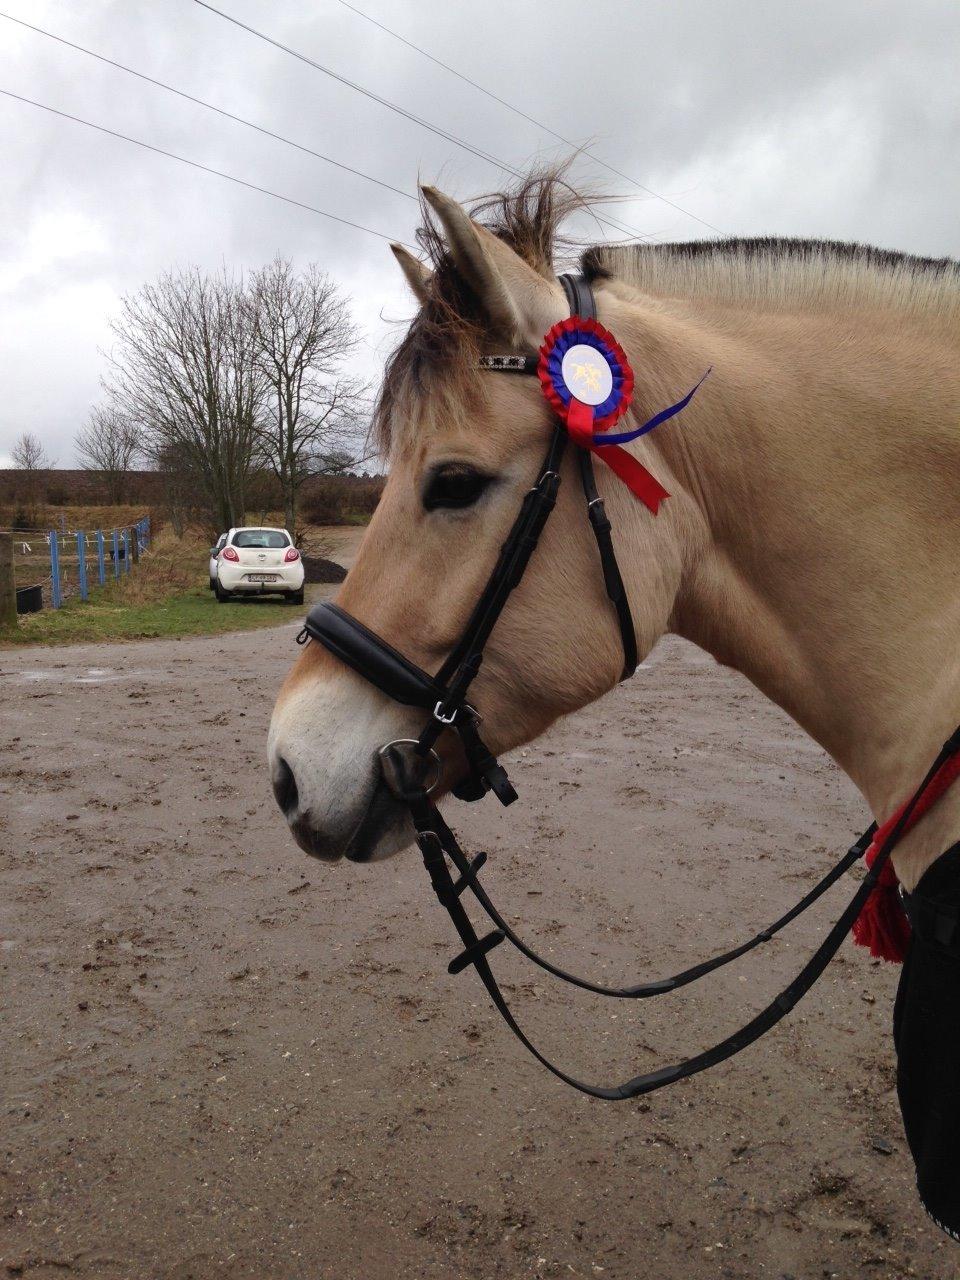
190,613
165,595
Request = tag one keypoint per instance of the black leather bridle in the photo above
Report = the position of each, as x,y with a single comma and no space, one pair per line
411,767
444,694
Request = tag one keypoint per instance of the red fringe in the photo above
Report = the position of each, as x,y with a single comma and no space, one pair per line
882,925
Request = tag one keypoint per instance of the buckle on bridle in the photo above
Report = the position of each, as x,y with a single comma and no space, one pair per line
544,477
440,717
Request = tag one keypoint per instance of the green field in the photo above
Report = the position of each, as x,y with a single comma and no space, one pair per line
188,613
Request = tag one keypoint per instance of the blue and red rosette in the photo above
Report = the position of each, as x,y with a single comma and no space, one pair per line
587,381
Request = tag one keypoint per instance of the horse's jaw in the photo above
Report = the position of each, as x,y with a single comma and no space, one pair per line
323,747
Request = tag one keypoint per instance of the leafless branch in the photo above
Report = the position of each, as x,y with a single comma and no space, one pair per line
183,366
109,444
29,454
312,409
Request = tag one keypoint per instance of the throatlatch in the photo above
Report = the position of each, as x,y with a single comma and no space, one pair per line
586,378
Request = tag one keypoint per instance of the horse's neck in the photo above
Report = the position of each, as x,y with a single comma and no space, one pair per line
825,462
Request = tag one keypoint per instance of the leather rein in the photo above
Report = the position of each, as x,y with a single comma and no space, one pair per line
411,768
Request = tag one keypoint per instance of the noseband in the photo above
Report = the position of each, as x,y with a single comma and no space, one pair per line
411,767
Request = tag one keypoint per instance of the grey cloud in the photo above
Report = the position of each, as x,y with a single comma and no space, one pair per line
830,119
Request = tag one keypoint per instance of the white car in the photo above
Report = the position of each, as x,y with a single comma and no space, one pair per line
214,552
254,561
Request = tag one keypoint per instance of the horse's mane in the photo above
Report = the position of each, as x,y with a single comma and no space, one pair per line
784,273
438,353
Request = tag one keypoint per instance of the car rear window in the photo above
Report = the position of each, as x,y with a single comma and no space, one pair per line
260,538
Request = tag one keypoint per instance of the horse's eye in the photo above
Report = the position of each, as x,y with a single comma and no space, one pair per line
454,485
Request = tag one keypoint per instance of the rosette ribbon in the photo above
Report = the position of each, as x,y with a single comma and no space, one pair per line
587,381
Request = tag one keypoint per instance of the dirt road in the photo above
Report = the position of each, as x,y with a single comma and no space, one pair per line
222,1060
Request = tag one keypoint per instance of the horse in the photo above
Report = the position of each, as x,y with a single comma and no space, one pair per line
810,539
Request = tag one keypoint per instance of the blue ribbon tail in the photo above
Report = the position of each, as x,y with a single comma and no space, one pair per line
624,437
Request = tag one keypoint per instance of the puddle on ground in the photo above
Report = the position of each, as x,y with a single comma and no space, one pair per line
88,675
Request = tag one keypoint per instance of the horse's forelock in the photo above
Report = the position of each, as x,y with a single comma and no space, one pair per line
438,354
435,368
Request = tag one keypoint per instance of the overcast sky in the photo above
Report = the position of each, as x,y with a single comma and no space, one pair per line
836,118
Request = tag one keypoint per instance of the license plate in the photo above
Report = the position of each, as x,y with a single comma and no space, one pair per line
261,577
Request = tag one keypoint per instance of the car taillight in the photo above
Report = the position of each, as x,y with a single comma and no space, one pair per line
292,554
228,553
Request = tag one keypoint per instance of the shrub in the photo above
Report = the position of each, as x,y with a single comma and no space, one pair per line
324,504
341,499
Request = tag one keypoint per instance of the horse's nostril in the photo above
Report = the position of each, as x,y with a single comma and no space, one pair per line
285,787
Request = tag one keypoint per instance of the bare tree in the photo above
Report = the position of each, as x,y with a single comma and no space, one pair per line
338,462
30,457
184,364
29,454
303,334
108,444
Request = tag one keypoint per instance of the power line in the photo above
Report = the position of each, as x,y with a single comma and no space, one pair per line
209,106
204,168
393,106
531,119
368,93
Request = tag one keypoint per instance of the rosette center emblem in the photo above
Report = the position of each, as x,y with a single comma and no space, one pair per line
587,374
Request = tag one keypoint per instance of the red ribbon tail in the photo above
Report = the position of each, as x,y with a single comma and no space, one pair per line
634,475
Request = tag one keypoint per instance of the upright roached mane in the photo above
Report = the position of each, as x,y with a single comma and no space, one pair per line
781,274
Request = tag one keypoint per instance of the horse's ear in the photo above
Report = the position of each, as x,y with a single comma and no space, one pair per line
518,302
418,277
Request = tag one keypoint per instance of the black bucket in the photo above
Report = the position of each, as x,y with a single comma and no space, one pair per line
29,599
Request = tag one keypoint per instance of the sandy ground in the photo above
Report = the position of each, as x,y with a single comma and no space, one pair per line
222,1060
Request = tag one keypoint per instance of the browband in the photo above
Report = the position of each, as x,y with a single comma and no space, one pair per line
510,364
581,301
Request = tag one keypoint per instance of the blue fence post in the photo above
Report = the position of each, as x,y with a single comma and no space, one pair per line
101,559
82,564
56,595
116,553
126,550
146,531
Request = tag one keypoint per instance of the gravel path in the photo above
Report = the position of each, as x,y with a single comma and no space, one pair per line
223,1060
